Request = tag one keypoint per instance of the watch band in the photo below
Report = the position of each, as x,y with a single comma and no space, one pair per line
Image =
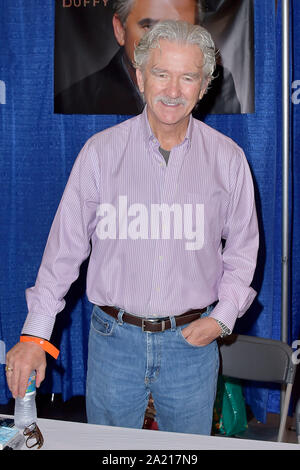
225,330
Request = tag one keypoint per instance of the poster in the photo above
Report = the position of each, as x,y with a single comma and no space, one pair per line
94,42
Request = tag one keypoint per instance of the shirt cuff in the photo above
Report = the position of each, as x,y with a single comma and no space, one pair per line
38,325
226,312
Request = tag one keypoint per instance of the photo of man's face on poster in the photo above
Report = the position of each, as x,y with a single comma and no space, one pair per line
94,47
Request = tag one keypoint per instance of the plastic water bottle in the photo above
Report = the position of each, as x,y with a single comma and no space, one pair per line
25,408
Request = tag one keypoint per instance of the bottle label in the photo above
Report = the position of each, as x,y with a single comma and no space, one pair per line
31,383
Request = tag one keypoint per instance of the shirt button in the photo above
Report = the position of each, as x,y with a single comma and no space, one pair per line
160,258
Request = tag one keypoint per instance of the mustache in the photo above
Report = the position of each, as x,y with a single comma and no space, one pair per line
170,101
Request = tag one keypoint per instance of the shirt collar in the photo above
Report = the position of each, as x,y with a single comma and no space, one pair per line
150,137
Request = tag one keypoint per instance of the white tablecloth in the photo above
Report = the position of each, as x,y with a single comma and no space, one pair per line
66,435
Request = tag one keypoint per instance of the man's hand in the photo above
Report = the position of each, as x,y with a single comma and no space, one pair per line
202,332
23,358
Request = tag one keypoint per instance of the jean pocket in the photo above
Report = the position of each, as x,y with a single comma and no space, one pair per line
182,338
101,323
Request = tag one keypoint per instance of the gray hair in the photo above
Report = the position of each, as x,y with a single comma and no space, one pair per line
122,8
179,32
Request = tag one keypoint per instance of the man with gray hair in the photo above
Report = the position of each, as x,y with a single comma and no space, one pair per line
113,90
161,297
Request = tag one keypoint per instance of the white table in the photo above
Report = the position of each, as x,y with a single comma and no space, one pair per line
66,435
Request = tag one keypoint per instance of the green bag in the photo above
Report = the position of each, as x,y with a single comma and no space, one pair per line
229,410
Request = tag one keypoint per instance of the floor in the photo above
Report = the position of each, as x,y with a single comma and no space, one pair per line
53,407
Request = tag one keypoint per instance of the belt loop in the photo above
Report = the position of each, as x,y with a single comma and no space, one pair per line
173,323
120,316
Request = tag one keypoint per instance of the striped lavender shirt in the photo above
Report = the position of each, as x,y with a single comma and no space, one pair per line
153,231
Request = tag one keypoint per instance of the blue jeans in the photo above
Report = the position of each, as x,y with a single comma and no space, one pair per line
126,364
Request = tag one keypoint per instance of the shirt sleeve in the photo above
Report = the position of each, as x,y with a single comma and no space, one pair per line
68,245
241,246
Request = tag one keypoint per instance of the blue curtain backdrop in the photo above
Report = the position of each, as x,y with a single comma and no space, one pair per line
38,149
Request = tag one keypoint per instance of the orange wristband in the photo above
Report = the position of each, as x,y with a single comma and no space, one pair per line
48,347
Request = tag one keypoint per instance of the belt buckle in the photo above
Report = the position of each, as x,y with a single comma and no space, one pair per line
154,320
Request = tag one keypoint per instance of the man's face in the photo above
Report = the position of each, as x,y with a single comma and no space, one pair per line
145,13
172,82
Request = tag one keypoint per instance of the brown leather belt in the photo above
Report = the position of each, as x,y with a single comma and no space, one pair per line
154,325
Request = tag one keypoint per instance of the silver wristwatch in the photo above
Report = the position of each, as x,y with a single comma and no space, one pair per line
225,330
